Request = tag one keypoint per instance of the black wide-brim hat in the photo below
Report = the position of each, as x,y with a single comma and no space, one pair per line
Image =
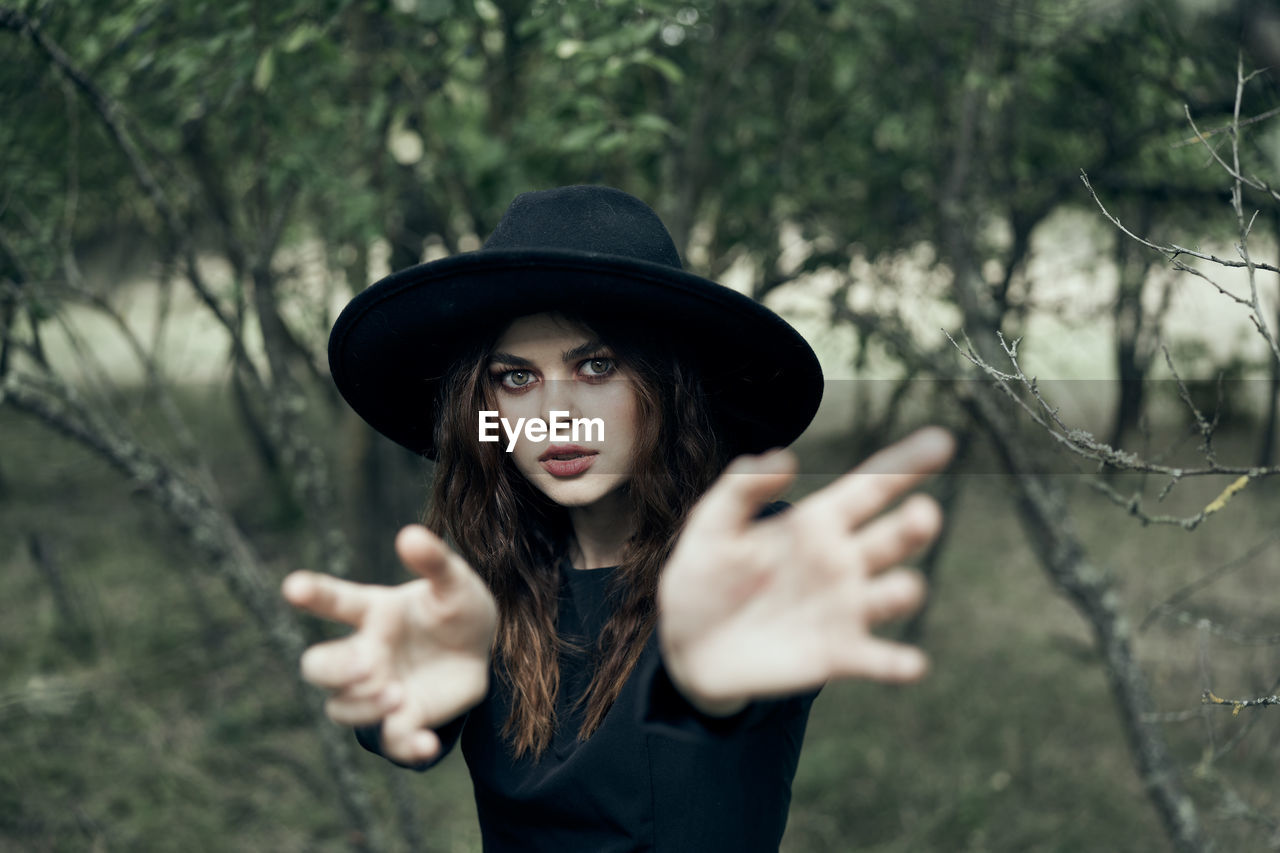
591,252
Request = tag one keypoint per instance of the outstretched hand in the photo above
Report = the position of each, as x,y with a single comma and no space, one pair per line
420,654
751,609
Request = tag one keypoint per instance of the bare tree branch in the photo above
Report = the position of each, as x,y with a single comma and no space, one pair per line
1081,442
216,537
284,401
1230,127
1232,170
111,115
1237,704
1090,587
1174,251
1217,629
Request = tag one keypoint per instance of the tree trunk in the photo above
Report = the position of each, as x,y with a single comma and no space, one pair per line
1043,511
948,492
1133,359
1267,444
389,490
73,628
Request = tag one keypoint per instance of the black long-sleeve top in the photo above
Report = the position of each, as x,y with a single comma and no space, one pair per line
657,775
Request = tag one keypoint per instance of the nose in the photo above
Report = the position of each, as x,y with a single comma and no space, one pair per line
561,396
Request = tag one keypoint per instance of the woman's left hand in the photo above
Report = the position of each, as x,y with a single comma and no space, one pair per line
756,608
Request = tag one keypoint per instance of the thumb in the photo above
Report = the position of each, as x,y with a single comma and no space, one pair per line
427,556
406,739
735,499
329,597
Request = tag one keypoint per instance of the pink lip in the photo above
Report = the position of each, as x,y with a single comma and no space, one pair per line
567,460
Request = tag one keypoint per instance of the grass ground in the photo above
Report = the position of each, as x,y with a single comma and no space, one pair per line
142,710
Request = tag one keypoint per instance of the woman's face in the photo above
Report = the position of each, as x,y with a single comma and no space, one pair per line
545,363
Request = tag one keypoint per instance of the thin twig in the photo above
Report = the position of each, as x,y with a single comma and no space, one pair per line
1082,442
1206,428
1226,128
1132,505
1234,172
1206,580
1173,251
1217,629
1210,698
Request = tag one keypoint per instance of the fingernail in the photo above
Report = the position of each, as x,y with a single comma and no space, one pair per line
296,586
777,457
939,438
915,665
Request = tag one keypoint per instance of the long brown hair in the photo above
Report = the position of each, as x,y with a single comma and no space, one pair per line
514,536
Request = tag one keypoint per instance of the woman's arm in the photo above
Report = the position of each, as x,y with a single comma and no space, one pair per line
757,608
419,657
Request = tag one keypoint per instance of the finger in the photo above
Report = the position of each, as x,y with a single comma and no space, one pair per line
735,499
327,596
893,595
883,477
876,659
337,664
899,535
348,710
407,742
427,556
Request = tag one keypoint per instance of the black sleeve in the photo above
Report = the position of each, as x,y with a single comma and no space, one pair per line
370,737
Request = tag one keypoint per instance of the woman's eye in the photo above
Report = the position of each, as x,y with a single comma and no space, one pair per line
517,378
597,366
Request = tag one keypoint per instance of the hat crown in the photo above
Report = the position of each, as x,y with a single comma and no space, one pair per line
592,219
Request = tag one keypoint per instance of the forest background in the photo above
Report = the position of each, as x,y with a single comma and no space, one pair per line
191,190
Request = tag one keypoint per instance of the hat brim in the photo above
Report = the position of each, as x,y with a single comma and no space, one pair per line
392,345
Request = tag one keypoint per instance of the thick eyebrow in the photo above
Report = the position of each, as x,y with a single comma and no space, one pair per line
584,350
580,351
508,358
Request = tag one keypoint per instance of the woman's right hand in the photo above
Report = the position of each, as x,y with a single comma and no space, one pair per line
420,654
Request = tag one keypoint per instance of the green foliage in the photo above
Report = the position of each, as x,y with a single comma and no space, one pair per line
849,118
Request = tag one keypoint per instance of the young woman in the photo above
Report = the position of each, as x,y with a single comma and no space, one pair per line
624,634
